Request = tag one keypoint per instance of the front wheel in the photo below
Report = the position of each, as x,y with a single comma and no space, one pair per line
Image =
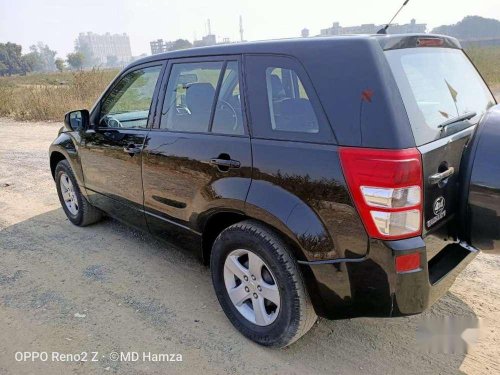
76,207
259,285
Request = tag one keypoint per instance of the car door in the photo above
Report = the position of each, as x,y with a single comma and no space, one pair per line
198,157
111,149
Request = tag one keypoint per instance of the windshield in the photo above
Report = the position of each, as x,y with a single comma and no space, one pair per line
437,85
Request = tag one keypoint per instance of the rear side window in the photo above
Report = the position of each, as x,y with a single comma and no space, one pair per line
437,85
190,96
228,117
282,100
289,105
191,105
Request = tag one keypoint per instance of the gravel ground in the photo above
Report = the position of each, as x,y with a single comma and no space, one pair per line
107,288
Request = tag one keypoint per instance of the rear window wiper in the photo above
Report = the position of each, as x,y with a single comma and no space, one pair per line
454,120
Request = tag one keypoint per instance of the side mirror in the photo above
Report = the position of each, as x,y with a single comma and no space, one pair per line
77,120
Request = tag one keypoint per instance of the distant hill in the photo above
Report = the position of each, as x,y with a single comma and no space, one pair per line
471,27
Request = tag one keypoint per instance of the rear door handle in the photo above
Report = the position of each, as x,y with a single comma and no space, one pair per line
438,177
224,163
132,149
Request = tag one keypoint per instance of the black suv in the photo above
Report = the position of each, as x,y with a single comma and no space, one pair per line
339,177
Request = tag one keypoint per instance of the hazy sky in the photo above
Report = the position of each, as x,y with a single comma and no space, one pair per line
58,22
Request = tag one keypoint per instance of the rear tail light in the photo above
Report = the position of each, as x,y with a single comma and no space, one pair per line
391,198
386,186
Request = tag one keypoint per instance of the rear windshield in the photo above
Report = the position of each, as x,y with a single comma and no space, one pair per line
437,85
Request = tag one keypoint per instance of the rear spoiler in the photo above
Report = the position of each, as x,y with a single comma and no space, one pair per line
389,42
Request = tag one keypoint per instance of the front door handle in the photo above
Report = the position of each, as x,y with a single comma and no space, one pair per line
438,177
132,149
225,164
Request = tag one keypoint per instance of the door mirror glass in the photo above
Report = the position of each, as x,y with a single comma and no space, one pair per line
76,120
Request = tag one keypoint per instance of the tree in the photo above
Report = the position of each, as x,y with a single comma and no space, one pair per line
75,60
40,58
3,69
59,64
112,61
89,60
471,27
32,62
11,59
180,44
47,56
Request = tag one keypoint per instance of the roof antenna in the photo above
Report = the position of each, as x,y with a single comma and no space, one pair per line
383,30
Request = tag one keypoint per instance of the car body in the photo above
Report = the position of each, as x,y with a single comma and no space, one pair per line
278,138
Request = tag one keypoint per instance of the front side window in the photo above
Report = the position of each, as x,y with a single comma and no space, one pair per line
128,104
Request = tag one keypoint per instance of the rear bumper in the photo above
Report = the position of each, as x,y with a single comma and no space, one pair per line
371,287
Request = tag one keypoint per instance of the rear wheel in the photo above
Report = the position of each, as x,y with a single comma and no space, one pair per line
76,207
259,285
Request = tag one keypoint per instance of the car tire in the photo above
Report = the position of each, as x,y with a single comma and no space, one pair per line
241,244
76,207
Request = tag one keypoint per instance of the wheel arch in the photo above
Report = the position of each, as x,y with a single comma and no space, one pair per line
55,158
215,223
218,221
64,148
292,213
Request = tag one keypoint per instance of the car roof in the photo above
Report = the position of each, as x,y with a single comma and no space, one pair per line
285,46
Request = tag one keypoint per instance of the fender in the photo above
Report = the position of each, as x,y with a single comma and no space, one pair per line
66,146
293,217
267,203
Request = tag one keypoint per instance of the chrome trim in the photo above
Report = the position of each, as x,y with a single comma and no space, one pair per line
468,247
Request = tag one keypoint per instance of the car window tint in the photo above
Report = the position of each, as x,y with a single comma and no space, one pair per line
129,102
228,118
289,104
437,85
190,96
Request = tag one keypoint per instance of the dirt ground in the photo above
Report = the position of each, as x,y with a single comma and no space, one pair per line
107,288
496,92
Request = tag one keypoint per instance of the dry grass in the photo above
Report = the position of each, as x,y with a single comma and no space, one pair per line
49,96
486,60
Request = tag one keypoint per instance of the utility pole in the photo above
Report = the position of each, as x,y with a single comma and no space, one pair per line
241,28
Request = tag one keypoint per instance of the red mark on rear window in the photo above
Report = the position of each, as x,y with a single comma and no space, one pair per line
367,95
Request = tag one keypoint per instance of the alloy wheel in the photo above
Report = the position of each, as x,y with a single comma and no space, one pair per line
251,287
69,194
